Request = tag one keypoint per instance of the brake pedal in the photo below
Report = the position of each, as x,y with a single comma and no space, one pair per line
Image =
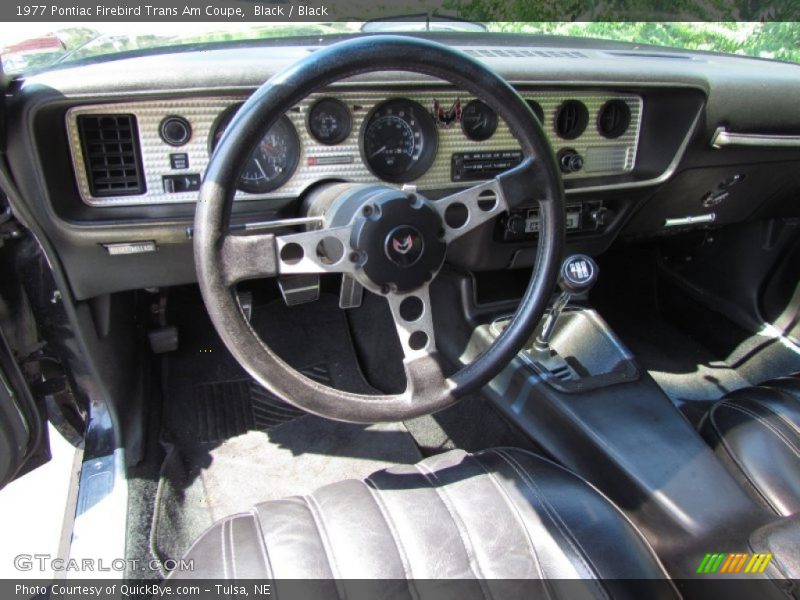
299,289
163,338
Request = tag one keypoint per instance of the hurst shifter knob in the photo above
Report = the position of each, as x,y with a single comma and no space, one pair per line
578,275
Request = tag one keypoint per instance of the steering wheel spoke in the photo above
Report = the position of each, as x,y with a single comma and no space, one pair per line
413,320
248,257
465,210
315,251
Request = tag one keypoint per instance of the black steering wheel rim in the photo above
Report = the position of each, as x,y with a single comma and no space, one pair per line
266,105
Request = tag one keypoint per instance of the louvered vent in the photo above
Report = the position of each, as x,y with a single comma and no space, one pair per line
571,119
613,119
111,152
522,53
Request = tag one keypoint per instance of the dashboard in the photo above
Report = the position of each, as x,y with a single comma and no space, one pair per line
650,143
433,139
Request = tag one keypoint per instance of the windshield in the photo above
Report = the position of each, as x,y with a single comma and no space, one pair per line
30,47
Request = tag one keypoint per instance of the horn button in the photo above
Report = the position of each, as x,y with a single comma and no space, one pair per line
401,238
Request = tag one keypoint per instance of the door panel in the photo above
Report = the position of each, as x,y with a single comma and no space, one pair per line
22,432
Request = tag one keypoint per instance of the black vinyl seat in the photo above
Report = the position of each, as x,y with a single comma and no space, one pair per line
756,432
500,514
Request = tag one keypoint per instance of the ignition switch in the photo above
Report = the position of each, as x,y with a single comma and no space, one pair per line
569,160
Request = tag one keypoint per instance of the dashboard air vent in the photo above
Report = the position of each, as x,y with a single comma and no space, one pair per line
666,55
522,53
613,119
571,119
110,146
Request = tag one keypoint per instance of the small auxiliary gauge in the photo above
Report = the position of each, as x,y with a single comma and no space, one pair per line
478,121
329,121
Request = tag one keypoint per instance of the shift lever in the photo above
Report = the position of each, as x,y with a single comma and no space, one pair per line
578,275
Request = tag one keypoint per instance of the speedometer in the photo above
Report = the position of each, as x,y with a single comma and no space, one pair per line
272,162
399,141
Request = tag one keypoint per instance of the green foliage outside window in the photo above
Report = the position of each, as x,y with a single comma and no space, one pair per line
779,41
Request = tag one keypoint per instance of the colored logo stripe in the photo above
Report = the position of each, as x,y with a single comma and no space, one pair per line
734,563
723,562
758,563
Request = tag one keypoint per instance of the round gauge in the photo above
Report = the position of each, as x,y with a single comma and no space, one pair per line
399,140
478,121
329,121
272,162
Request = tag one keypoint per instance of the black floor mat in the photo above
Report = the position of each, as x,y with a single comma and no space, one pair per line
210,398
229,408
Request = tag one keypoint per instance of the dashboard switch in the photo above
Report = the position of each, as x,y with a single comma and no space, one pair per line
601,216
516,224
179,160
174,184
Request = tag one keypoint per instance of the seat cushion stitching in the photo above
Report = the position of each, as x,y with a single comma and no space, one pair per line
384,510
766,424
613,507
555,518
794,429
322,533
262,543
514,510
224,552
385,513
442,495
734,457
548,509
233,549
316,515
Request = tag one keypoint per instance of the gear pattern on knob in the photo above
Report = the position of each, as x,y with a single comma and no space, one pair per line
578,273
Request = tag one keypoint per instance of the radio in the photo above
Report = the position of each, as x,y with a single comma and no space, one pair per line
523,224
477,166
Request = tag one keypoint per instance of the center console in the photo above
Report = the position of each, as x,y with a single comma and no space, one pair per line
579,394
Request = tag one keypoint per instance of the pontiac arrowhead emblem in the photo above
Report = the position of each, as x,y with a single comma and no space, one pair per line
403,245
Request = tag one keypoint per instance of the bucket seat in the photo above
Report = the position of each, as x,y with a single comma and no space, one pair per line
492,518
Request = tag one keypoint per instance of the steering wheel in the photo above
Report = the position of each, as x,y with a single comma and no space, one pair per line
391,241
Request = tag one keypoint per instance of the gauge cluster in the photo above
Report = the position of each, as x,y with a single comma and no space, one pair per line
434,139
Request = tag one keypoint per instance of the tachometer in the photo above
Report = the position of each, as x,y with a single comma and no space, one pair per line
272,162
399,140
